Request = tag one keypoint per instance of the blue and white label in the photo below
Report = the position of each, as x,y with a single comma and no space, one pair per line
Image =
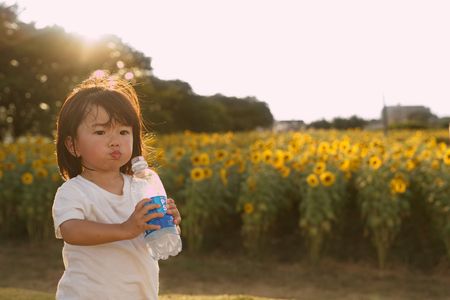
166,220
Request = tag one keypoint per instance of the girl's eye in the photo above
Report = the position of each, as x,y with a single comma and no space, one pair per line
124,132
99,132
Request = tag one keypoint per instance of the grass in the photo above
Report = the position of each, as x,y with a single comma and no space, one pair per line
23,294
31,271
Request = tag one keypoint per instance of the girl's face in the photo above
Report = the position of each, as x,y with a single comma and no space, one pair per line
102,146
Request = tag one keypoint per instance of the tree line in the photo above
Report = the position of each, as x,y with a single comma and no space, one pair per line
416,120
38,68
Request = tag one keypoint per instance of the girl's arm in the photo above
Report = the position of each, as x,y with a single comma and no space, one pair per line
89,233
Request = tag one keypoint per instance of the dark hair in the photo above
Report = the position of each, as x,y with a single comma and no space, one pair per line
117,97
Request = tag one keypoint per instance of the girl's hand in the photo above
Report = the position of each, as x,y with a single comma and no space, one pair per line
173,210
137,222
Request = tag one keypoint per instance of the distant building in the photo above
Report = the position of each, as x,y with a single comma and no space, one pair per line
374,125
291,125
404,114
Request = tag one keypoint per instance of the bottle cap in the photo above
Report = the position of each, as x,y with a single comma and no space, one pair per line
137,159
138,163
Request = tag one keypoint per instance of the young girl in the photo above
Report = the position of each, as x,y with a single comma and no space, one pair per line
99,130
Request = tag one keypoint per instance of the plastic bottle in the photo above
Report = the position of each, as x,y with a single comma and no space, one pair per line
165,241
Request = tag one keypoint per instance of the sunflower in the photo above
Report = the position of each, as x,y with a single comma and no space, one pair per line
435,164
220,154
319,167
323,147
207,172
204,159
248,208
195,159
425,154
37,164
179,153
410,152
285,171
255,157
258,145
345,165
197,174
447,157
398,186
294,146
344,146
364,152
278,159
41,173
267,156
229,163
21,159
410,165
375,162
288,156
27,178
327,178
312,180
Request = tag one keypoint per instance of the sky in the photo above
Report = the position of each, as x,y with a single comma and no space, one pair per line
307,59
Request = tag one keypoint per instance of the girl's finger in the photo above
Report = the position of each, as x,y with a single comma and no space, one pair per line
149,207
173,211
151,227
153,216
141,203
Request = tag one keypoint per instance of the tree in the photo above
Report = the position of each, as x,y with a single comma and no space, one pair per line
245,114
171,106
320,124
38,67
352,122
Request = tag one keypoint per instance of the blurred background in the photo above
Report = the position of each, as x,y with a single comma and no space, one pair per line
306,143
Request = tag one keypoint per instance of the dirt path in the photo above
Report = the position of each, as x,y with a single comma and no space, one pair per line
39,267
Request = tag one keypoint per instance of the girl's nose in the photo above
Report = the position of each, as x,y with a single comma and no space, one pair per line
113,142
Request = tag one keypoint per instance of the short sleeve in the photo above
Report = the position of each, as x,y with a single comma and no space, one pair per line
68,204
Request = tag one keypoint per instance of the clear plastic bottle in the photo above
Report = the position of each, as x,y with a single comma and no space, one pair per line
165,241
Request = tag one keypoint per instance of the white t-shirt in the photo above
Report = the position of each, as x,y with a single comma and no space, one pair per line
117,270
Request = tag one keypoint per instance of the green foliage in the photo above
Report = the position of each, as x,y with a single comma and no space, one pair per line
172,106
263,203
39,67
28,180
320,206
339,123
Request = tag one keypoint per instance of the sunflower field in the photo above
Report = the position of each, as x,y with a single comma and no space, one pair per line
336,193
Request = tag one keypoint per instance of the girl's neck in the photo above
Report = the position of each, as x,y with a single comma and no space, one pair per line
111,181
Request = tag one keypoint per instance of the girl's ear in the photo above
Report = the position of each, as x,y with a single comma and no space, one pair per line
70,145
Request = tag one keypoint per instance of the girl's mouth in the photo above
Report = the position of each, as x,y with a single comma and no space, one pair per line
116,154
